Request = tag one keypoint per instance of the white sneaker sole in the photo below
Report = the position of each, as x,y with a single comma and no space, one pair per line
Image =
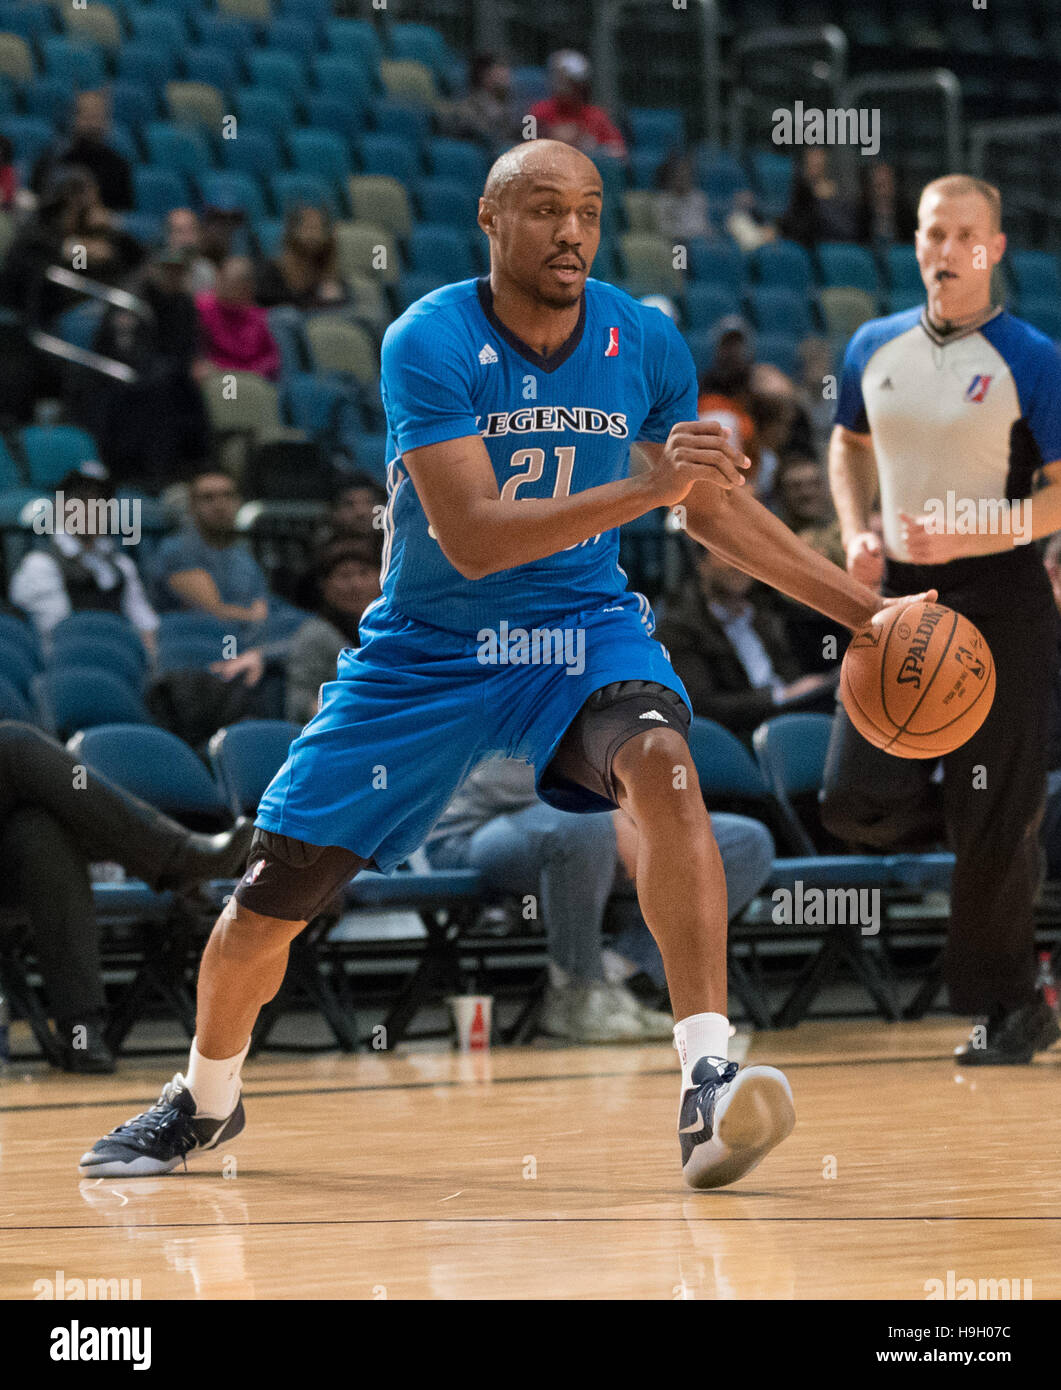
752,1118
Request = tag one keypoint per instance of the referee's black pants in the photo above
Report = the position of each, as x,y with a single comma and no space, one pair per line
990,803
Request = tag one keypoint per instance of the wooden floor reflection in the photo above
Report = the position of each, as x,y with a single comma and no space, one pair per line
551,1173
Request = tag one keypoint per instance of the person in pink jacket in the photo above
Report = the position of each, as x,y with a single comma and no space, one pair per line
236,334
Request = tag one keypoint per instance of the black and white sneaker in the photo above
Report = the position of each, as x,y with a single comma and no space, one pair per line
729,1122
161,1138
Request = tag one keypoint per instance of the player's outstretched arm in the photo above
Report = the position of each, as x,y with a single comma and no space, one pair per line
483,530
736,526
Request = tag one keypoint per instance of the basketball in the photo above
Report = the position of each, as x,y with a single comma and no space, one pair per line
919,684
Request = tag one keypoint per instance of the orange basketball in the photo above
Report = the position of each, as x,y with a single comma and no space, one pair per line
920,684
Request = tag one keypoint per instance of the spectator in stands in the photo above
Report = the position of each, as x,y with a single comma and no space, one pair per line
306,272
8,175
818,210
70,228
355,510
885,214
155,431
817,386
567,115
681,207
747,224
205,566
802,493
85,145
725,387
496,824
1051,827
82,569
222,230
731,651
488,112
348,581
184,233
53,824
235,330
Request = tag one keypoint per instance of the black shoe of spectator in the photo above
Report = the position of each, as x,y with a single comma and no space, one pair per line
203,857
94,1057
1012,1037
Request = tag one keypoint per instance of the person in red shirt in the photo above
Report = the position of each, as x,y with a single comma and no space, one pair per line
567,115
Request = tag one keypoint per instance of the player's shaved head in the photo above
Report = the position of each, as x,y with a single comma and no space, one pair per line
538,161
960,186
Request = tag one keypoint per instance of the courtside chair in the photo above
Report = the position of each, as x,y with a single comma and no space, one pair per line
293,188
76,61
777,310
15,705
70,698
90,623
218,67
845,263
14,632
17,665
381,199
783,264
52,451
245,757
196,103
180,147
158,191
147,64
159,768
95,23
441,251
390,155
120,658
252,152
264,108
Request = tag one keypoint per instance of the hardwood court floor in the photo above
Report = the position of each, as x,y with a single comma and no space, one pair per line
551,1173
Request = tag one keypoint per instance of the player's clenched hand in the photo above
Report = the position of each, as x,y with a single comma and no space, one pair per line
865,558
696,451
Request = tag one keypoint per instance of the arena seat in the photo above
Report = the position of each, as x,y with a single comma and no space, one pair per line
17,665
218,67
253,152
390,155
782,264
845,263
293,188
79,697
52,451
777,310
440,251
381,199
181,147
123,659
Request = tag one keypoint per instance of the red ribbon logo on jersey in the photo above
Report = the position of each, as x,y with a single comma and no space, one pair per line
612,350
977,388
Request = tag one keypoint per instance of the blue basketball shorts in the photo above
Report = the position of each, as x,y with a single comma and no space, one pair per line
415,708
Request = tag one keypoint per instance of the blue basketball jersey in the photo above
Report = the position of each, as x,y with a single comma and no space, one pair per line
552,426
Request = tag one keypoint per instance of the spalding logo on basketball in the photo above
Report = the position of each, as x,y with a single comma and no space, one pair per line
920,683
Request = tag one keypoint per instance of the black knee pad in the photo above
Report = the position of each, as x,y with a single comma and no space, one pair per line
291,879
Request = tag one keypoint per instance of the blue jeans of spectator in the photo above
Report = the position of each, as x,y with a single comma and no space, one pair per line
566,862
569,863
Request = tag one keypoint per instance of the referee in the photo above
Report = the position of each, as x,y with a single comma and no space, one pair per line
942,409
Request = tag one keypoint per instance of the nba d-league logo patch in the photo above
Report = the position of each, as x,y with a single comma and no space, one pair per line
612,350
977,388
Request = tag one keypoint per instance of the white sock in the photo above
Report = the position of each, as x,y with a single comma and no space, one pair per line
214,1085
700,1035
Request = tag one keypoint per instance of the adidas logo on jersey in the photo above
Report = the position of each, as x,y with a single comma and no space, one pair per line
487,355
653,714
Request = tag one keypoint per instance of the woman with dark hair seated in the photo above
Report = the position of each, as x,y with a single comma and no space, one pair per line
305,274
56,818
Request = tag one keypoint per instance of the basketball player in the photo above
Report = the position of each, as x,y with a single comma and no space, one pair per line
960,398
512,403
